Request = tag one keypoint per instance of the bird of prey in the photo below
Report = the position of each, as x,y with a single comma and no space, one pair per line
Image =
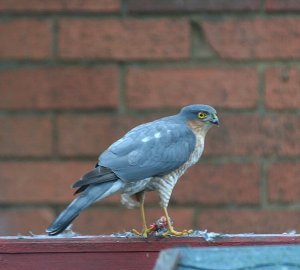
150,157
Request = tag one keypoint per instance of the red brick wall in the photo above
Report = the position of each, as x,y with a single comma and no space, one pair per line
75,75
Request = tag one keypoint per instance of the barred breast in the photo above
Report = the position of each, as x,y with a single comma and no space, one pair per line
164,185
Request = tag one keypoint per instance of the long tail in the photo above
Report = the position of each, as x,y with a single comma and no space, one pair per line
91,194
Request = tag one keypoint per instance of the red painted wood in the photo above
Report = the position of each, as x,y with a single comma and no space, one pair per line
105,252
86,261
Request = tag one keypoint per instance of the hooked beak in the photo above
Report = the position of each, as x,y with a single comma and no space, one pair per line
215,120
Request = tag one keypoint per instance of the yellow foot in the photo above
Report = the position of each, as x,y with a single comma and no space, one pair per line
172,232
145,233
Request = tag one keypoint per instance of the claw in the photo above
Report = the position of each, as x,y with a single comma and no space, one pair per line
145,233
172,232
162,227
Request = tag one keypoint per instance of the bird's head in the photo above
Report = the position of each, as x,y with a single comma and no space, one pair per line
203,116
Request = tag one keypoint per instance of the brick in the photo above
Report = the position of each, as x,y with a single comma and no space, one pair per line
40,182
146,6
123,39
282,88
219,184
24,220
170,87
111,220
76,138
254,38
249,221
248,135
25,39
60,5
89,135
25,136
236,135
59,88
282,5
283,182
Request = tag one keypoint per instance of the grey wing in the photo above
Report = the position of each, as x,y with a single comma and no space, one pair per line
152,149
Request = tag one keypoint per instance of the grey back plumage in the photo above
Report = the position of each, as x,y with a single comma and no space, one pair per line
151,149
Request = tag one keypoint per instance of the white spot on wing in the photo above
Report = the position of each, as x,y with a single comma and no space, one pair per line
134,157
146,139
157,135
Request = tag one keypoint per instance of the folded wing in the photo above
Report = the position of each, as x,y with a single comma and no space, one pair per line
152,149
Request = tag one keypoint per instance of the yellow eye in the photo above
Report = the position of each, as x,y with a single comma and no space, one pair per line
202,115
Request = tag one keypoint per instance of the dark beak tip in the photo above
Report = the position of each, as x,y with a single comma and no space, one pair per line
215,122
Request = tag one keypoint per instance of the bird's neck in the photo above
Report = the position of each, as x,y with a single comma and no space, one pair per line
199,128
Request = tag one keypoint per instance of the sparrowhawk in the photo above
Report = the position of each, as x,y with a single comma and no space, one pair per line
150,157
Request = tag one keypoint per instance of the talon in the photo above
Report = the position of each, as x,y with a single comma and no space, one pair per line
172,232
145,233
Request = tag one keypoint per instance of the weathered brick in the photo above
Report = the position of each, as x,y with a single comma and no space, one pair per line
24,220
25,39
282,5
25,136
92,134
282,88
123,39
160,88
283,182
236,135
146,6
60,5
111,220
249,221
76,138
247,135
276,38
219,184
59,88
40,182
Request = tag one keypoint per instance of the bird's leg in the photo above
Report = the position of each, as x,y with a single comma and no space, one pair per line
146,231
171,230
